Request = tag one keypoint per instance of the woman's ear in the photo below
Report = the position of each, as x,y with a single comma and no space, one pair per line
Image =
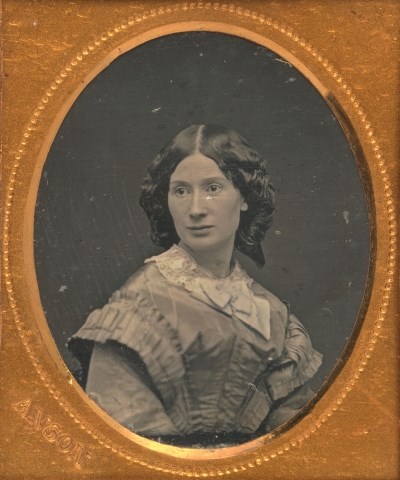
244,206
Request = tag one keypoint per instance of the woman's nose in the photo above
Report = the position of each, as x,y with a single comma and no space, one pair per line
198,204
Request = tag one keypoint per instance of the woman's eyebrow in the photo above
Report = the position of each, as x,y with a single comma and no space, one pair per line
203,180
179,182
214,179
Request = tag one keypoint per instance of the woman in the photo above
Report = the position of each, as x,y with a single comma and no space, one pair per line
191,350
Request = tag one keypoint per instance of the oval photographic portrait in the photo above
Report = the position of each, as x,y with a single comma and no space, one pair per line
202,241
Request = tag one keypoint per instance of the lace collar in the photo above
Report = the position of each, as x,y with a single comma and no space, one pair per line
180,268
232,294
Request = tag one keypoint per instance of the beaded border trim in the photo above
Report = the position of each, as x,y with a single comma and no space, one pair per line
27,336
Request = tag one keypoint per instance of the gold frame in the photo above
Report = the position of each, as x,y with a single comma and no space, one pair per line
46,413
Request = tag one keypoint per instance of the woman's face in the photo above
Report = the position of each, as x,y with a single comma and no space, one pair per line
204,204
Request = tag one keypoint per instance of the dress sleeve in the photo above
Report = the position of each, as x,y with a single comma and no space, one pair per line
132,321
298,363
114,384
286,408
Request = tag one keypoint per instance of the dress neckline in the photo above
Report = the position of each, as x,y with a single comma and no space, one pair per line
231,295
178,266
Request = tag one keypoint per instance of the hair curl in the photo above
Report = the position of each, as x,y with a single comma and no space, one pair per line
237,160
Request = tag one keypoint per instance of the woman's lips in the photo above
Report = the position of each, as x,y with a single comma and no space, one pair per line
200,227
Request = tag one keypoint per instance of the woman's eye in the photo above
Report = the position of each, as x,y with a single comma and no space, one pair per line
214,188
181,191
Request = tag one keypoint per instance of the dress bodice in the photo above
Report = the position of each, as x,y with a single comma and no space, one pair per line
217,354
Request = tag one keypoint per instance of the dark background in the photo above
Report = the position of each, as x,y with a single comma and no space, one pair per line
91,235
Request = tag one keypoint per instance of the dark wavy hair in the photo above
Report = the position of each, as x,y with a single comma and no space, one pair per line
237,160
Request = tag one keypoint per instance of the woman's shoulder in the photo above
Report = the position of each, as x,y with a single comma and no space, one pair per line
129,307
132,319
138,284
275,302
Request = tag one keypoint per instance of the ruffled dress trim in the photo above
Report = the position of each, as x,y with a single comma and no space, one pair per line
130,319
299,361
285,379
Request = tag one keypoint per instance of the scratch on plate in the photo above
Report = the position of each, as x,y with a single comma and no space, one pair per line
283,61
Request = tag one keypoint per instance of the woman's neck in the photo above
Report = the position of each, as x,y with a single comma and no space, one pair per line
218,261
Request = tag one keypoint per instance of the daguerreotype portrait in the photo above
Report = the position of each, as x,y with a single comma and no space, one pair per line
199,240
148,197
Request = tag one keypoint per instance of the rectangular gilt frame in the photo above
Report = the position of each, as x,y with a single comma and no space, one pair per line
50,48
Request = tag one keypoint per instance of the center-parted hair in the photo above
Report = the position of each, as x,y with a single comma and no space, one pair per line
239,163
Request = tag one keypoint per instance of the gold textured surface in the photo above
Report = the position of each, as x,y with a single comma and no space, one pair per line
350,51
